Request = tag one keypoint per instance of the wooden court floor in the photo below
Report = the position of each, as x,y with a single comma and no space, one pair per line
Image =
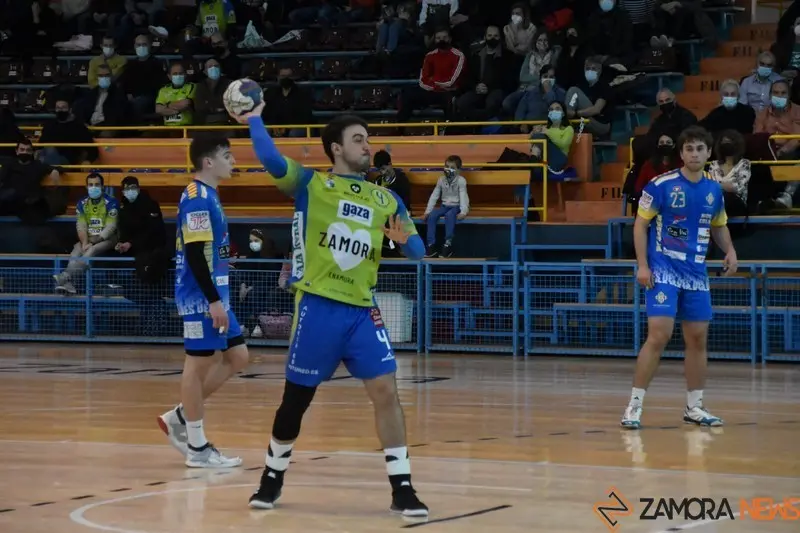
496,444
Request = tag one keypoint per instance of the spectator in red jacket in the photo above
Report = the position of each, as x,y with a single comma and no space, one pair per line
439,79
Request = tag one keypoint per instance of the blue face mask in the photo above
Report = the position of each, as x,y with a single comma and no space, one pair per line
142,51
606,5
213,73
591,75
104,82
108,51
555,115
729,102
131,194
95,192
764,72
779,102
177,80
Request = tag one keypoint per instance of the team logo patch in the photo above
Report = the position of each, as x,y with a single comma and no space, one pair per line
661,297
381,197
192,330
355,187
710,199
112,213
330,183
646,200
198,221
377,319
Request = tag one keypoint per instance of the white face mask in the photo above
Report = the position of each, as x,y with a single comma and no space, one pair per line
516,19
255,246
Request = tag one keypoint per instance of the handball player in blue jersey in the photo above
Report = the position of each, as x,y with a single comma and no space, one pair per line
212,338
680,212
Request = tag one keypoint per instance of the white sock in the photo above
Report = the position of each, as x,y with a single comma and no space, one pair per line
397,462
694,398
278,455
637,397
197,437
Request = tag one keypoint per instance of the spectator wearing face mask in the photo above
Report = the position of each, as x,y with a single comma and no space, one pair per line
97,231
175,101
229,62
781,118
287,104
610,33
755,89
66,129
142,233
141,79
392,178
592,99
542,55
731,114
105,105
673,116
208,106
663,158
110,58
490,77
439,79
520,31
732,171
452,190
21,185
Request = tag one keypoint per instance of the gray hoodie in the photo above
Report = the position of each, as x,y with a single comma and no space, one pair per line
452,191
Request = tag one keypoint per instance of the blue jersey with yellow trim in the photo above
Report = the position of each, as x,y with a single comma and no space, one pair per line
684,212
201,219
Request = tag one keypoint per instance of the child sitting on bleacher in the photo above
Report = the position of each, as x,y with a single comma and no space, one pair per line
452,189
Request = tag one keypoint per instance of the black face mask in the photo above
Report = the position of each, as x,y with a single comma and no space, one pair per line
286,83
727,149
25,158
61,116
572,40
492,43
667,108
665,150
442,45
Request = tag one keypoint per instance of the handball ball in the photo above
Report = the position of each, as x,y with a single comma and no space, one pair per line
242,96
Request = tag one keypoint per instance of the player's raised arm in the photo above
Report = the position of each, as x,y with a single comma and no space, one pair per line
402,231
290,176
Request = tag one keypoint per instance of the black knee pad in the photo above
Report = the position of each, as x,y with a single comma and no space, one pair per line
296,399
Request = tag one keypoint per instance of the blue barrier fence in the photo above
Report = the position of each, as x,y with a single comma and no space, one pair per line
589,308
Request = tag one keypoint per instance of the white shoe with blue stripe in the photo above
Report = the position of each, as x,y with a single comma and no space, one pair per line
699,416
632,416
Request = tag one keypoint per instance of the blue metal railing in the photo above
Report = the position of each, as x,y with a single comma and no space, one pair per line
593,307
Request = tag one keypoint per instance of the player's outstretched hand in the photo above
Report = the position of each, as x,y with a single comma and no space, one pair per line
645,277
395,231
730,264
219,316
256,112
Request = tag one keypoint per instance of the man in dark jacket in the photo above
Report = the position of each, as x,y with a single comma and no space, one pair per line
492,77
396,181
142,233
673,119
732,114
142,79
66,129
21,190
105,105
287,104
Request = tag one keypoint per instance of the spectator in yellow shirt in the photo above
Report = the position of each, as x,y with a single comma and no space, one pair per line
109,57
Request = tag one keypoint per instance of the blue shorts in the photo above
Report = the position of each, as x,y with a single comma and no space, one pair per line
201,338
326,332
670,301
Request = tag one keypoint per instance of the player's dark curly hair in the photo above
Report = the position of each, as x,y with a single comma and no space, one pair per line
694,134
334,132
206,145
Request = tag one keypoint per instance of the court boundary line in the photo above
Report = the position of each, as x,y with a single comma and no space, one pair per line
77,515
346,453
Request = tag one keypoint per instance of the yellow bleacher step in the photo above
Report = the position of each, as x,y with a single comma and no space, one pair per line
733,67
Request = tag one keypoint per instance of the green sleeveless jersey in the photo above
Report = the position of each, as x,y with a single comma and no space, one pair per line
337,233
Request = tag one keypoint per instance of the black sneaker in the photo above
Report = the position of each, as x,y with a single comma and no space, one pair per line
269,491
447,250
431,252
406,503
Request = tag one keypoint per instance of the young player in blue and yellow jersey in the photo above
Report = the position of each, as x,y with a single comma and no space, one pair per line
679,213
202,294
339,225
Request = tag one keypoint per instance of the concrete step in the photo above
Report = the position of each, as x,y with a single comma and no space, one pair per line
581,211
